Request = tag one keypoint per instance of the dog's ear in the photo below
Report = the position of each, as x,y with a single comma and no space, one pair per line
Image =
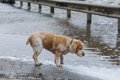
73,46
78,44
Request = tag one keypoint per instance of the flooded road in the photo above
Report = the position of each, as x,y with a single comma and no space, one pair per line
101,41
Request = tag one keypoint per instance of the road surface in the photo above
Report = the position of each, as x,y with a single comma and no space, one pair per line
16,57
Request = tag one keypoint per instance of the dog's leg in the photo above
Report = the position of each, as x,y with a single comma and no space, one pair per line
37,48
35,58
61,59
57,59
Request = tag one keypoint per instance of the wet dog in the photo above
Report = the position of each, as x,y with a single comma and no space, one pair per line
59,45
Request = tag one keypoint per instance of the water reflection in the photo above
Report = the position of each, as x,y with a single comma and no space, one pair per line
97,45
112,54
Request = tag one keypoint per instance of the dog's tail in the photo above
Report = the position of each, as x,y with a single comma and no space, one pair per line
28,41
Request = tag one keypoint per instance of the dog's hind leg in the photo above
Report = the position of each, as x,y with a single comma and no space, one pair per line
37,48
35,57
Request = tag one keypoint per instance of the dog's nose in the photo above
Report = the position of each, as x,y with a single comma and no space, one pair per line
83,54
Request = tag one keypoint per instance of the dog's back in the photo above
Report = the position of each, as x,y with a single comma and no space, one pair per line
49,40
45,37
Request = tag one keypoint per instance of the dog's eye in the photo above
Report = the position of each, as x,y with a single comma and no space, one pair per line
80,48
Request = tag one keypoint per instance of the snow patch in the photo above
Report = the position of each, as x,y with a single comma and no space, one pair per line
25,59
103,73
98,72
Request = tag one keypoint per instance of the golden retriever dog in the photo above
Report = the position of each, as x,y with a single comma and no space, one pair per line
59,45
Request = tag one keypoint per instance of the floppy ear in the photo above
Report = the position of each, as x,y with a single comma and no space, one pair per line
80,44
77,45
73,47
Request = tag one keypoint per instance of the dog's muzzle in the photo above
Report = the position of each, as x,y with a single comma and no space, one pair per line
80,54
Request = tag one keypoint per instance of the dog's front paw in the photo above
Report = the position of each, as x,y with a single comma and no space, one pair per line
40,64
62,62
59,67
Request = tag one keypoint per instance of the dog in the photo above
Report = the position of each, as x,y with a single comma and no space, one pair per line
59,45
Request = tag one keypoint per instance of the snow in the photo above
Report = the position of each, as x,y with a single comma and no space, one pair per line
102,73
112,2
104,1
99,72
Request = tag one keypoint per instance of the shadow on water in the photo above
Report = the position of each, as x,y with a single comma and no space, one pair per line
96,44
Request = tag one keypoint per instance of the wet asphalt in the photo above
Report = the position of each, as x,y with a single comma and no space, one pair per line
15,27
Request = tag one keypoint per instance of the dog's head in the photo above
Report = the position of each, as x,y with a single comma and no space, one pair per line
77,47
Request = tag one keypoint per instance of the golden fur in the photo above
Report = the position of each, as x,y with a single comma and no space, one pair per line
57,44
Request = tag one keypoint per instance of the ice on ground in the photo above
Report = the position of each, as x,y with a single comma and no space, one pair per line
102,73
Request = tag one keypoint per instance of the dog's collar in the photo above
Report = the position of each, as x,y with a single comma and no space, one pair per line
70,44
